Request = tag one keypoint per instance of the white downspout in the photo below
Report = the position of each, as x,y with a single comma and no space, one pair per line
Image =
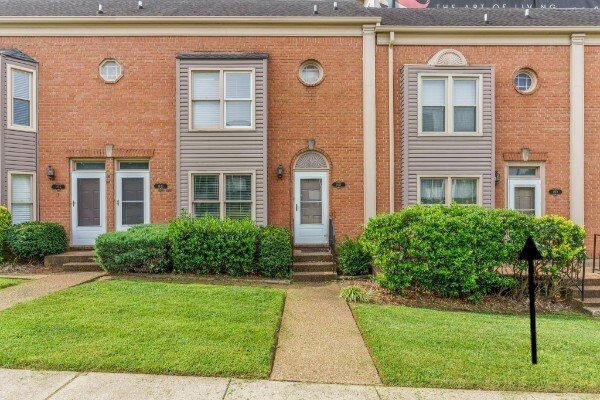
369,124
577,142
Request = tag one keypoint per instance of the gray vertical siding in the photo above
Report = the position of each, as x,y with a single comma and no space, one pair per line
227,150
446,155
18,149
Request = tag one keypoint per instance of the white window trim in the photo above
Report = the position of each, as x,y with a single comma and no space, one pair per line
449,121
221,126
541,166
221,200
32,95
140,160
448,179
106,80
85,160
33,175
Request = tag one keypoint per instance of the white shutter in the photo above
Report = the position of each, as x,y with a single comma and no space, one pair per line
21,198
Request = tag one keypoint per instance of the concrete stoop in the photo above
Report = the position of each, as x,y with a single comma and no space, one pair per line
591,299
313,264
73,261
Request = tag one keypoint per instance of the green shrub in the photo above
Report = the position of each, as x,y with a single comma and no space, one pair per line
275,252
353,258
34,240
561,243
143,248
5,221
213,246
458,251
355,294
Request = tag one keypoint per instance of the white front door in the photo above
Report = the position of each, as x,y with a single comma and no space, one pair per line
88,207
132,199
525,195
311,205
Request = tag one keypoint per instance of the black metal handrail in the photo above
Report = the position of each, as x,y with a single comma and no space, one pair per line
580,285
332,238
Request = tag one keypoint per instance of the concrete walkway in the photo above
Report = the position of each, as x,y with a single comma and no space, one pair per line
319,340
40,287
46,385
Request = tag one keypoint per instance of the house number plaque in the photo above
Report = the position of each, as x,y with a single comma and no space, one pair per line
555,191
338,184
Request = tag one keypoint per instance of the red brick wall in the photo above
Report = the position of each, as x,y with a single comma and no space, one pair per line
539,121
592,143
79,112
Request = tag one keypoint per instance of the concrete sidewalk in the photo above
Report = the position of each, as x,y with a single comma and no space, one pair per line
319,340
48,385
42,286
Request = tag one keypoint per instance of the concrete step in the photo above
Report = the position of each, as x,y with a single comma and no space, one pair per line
592,291
593,311
306,256
587,302
314,276
81,266
58,260
319,266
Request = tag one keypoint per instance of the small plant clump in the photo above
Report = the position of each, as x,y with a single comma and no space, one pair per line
355,294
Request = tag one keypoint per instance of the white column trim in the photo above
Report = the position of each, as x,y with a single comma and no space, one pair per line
369,123
577,142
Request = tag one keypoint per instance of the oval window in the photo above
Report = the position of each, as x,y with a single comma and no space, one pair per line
525,81
311,73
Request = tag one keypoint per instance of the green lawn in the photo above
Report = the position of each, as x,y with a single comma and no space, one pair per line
148,327
6,282
430,348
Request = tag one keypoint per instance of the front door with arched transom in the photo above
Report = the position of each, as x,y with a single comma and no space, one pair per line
311,199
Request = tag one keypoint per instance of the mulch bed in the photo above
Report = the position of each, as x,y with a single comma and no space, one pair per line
495,304
28,268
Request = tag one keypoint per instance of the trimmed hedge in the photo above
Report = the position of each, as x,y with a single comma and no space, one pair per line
5,221
353,258
275,252
459,251
34,240
213,246
143,248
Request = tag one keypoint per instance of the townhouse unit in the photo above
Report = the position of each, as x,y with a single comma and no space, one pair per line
292,113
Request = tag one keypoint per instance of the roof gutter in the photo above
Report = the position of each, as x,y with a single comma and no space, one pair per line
312,20
468,30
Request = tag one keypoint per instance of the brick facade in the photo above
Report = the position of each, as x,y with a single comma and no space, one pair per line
79,114
538,121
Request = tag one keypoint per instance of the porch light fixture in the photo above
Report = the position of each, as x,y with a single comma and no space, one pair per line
525,152
311,144
497,177
50,172
280,171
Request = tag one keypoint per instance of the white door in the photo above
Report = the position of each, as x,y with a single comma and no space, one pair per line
311,207
88,207
525,195
132,199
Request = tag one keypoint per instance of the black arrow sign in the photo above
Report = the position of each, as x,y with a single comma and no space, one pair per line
530,253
